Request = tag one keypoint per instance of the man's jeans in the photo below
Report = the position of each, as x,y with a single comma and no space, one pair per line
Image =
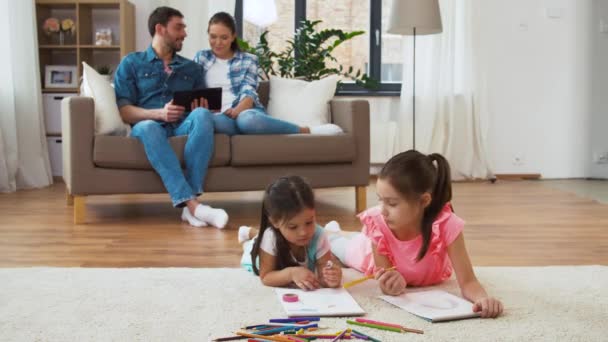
198,126
253,121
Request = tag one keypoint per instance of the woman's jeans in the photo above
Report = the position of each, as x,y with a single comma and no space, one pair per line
253,121
154,135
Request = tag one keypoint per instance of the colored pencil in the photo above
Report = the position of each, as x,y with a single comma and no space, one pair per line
363,320
368,337
360,280
326,337
326,334
294,319
339,337
361,337
376,326
295,325
262,337
230,338
254,326
278,330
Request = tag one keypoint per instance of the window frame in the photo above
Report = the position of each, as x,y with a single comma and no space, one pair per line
375,49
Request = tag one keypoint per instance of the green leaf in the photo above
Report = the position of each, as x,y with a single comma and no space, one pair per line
314,50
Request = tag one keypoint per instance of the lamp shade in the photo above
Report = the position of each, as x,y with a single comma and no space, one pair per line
261,13
423,15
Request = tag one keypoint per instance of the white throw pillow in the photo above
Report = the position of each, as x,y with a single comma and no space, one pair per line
107,116
301,102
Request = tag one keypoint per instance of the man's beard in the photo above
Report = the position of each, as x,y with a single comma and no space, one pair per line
174,45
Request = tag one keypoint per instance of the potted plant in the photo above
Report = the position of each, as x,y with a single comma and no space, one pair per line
105,71
314,49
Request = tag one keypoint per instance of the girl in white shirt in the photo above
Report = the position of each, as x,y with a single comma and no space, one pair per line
290,247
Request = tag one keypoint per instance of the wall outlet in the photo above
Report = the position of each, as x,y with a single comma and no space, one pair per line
518,160
600,157
603,26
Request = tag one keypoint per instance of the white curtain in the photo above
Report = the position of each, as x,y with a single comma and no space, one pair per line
451,114
24,160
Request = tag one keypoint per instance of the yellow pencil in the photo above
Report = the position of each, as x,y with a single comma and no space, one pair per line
264,337
360,280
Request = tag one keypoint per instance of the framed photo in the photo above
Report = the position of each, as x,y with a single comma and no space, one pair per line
60,76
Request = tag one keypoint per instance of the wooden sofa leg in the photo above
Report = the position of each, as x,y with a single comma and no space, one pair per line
361,198
69,198
80,209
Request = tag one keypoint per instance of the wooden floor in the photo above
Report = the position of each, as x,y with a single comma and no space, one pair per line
510,223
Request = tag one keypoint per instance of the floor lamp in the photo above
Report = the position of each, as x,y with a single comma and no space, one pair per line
412,18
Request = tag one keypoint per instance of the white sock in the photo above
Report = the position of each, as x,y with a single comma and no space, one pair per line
215,217
193,221
326,129
333,226
244,233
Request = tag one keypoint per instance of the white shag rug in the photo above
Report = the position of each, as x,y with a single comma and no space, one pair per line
561,303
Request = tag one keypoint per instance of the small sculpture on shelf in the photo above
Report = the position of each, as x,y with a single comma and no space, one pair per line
103,37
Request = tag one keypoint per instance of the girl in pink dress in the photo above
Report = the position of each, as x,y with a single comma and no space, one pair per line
415,230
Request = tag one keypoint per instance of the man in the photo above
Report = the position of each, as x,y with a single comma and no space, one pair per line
145,82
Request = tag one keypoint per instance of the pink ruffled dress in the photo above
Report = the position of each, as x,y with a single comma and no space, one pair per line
434,268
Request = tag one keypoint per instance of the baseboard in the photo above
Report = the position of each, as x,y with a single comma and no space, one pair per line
518,176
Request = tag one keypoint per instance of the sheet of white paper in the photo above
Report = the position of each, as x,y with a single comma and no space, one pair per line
321,302
434,305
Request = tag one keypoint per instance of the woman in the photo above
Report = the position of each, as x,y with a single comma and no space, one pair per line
236,72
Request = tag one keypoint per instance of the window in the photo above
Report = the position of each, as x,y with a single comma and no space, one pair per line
346,15
392,49
378,54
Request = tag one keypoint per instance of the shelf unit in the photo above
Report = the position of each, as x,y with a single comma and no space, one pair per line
89,16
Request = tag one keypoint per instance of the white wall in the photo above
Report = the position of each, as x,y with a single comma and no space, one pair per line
539,83
599,113
539,73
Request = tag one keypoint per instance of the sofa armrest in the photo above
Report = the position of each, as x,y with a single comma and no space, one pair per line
78,133
353,117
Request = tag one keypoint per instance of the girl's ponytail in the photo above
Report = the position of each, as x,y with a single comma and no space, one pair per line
442,191
255,250
440,195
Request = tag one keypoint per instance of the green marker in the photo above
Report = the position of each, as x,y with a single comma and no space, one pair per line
362,334
375,326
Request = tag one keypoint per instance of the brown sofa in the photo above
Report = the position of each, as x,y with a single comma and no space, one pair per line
103,165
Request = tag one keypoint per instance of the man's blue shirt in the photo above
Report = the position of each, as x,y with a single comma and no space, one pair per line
141,80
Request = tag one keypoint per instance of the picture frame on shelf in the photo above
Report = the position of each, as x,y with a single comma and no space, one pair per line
60,76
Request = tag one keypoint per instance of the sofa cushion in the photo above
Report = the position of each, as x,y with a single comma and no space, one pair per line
128,153
301,102
292,149
107,116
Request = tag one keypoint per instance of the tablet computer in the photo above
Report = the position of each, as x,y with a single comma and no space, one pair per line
185,98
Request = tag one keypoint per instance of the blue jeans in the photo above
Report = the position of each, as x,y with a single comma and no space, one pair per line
253,121
198,126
